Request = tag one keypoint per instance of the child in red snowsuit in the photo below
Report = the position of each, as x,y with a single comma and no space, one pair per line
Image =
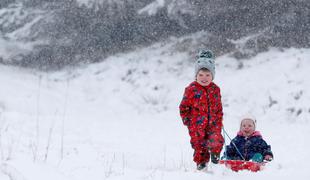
201,111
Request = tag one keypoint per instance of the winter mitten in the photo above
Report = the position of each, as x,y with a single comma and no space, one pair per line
257,157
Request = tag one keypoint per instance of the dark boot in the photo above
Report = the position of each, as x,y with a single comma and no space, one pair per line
215,158
201,166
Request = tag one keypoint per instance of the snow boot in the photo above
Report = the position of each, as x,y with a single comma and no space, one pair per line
215,158
201,166
257,157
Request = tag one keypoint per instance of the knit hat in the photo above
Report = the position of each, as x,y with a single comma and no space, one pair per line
249,117
205,59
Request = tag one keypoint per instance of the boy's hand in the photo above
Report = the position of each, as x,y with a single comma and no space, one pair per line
186,121
268,158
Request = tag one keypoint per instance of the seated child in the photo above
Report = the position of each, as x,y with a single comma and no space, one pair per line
248,144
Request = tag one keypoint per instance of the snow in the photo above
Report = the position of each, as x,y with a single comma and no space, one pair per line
16,24
91,3
152,8
119,119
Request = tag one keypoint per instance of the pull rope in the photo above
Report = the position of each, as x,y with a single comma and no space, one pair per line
225,156
209,117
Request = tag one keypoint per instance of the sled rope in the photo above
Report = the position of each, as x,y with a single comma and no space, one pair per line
209,117
225,133
225,155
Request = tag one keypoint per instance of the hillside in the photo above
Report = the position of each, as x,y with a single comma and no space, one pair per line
119,119
52,34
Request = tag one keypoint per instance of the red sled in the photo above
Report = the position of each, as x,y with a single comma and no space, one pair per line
237,165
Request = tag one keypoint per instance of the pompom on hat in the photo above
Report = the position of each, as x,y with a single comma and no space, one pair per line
205,59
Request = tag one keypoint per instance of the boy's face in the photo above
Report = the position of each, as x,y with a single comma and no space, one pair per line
247,127
204,77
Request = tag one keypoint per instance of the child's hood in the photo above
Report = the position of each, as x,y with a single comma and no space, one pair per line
255,133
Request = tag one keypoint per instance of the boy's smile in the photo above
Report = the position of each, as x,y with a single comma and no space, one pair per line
204,77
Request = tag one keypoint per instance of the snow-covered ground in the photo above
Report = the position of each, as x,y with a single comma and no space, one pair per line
119,119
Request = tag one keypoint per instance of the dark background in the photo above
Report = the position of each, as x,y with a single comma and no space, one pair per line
76,33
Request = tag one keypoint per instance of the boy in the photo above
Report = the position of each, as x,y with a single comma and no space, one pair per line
201,112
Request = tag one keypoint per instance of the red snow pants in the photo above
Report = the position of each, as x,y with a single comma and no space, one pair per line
204,142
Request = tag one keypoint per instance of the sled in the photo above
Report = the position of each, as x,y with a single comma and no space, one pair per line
237,165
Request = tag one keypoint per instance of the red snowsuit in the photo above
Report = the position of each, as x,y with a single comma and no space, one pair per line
201,112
